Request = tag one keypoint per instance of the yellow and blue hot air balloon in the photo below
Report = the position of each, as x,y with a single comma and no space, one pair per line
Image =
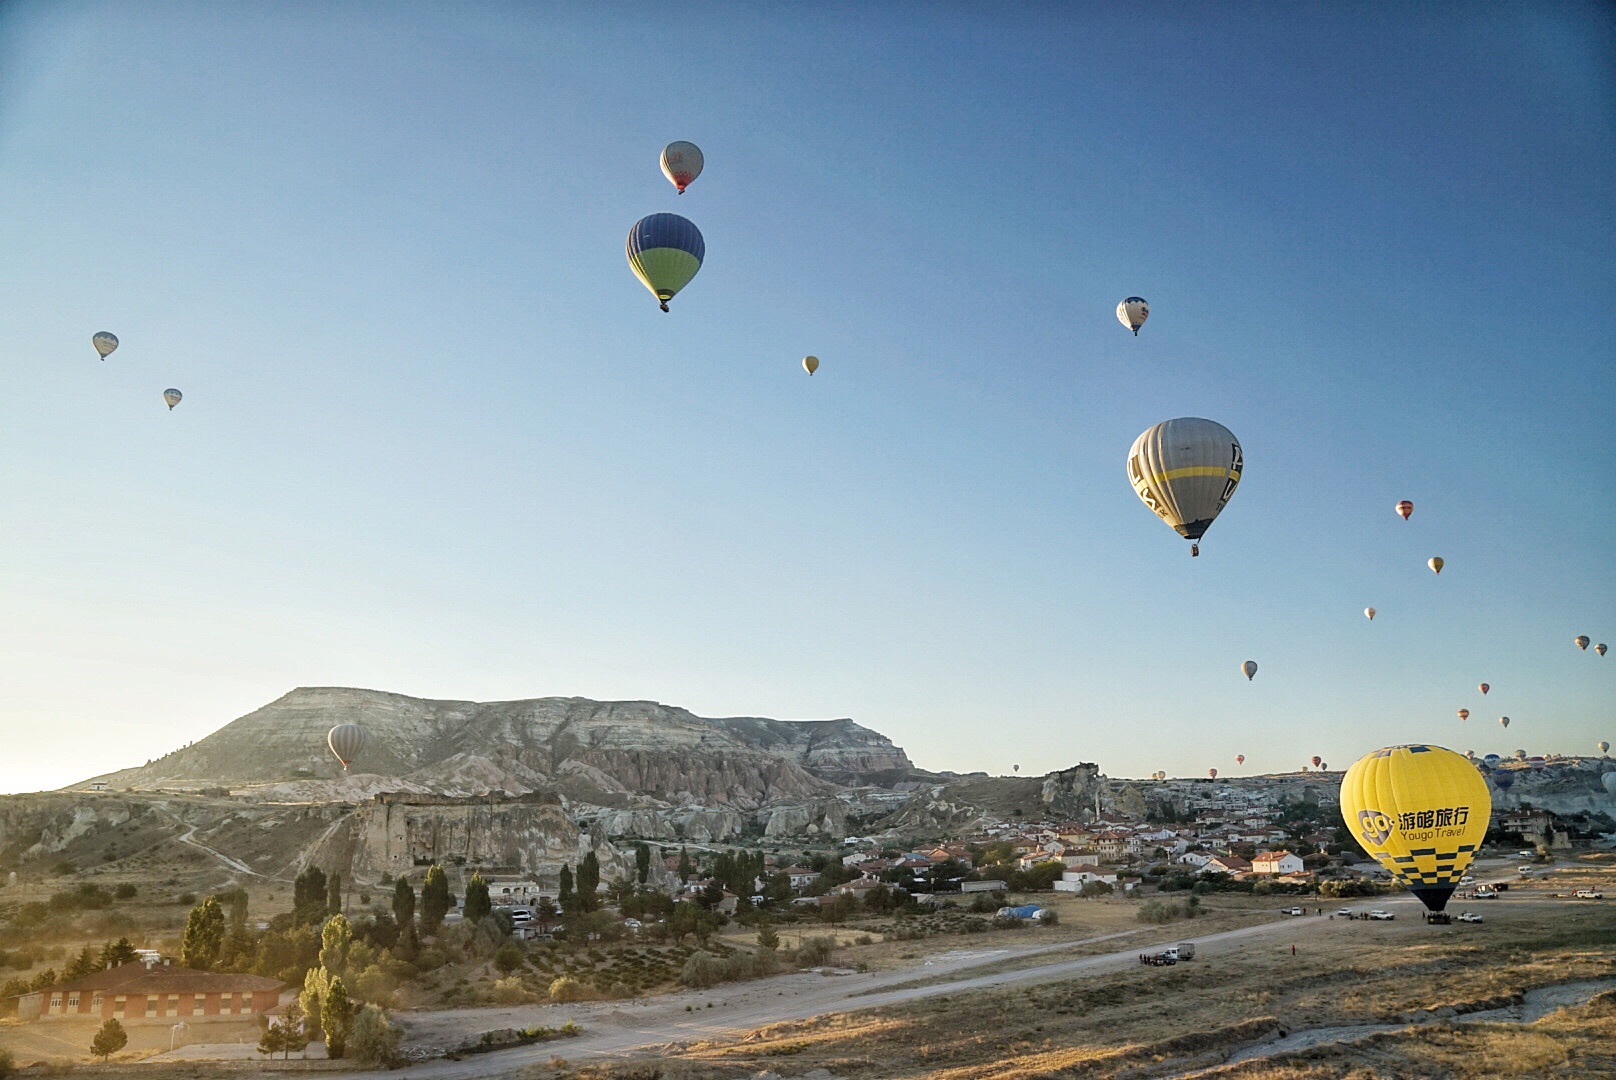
665,251
1420,811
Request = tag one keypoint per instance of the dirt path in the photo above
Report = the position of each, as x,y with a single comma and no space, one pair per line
188,838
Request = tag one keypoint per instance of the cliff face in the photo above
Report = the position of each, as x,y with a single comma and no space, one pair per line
602,753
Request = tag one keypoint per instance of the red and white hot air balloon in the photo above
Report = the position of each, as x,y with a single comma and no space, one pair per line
1484,687
1404,509
1213,773
1316,760
1464,714
1240,759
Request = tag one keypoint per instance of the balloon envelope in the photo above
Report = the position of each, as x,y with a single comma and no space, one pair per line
104,343
1404,509
1185,471
1504,720
1316,760
1484,687
1250,668
1213,773
810,364
1133,312
1420,811
1464,714
346,740
681,163
665,251
1581,641
1604,747
1600,648
173,396
1436,563
1492,761
1369,613
1240,759
1503,779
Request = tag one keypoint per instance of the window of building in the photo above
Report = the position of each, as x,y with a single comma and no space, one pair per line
118,1003
196,1004
153,1004
72,1001
227,1002
55,1003
95,1002
173,1004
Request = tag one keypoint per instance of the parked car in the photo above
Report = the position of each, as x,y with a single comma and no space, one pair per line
1523,869
1381,915
1469,916
1589,894
1486,892
1345,911
1468,879
1292,911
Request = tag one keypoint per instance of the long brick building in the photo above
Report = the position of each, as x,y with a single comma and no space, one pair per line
153,991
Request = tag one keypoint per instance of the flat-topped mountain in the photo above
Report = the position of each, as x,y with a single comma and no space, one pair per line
601,752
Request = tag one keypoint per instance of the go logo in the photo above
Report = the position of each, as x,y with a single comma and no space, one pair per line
1374,827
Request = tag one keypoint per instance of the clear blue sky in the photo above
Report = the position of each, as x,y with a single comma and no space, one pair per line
436,439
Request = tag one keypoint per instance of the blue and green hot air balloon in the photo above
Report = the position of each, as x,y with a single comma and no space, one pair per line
665,251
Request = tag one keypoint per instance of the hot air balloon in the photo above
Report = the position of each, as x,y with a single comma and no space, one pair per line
1504,720
665,251
346,740
1464,714
1536,761
681,163
1470,755
1405,508
104,343
1604,747
1133,312
1503,779
1421,812
1186,470
1369,613
172,396
1609,780
1600,648
810,364
1484,687
1015,768
1324,766
1250,668
1520,755
1213,773
1240,759
1581,641
1436,563
1316,760
1491,761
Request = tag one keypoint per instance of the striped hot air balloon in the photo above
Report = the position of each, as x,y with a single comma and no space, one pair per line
665,251
1186,471
346,741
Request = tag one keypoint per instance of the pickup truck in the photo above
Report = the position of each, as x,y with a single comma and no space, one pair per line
1468,916
1588,894
1184,950
1380,915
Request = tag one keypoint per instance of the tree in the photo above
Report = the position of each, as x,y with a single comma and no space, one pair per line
547,912
336,1018
767,938
204,935
333,895
312,998
435,902
508,958
285,1034
271,1041
309,896
685,868
373,1039
336,937
115,953
478,905
566,887
403,904
86,963
642,861
109,1039
588,882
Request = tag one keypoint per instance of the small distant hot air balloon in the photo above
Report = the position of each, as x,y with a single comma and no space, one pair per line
1504,720
810,364
1185,471
1581,641
1316,759
1520,755
665,251
1240,759
1536,761
1436,563
1464,714
1604,747
681,163
1492,761
104,343
1471,754
1133,312
1213,773
1504,779
1015,768
346,740
1484,687
1405,508
173,396
1600,648
1324,766
1250,668
1369,613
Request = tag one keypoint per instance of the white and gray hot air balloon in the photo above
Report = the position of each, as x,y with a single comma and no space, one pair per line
1133,312
1185,471
104,343
346,741
173,397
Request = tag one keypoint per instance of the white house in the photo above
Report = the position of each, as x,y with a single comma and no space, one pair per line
1276,862
1074,880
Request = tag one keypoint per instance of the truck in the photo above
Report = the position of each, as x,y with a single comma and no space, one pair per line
1184,950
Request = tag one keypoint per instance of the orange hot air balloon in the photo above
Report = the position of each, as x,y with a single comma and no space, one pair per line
1240,759
1484,687
1464,714
1213,773
1405,508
